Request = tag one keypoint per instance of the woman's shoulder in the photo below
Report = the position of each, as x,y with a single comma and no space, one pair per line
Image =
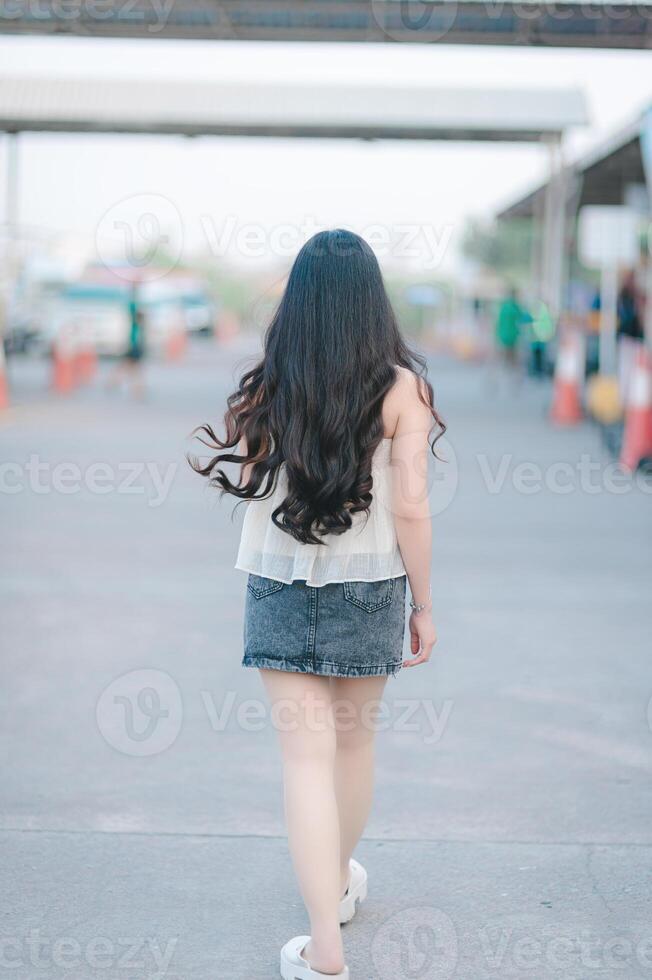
407,381
405,395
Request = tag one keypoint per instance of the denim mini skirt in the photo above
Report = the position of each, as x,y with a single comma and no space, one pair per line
342,629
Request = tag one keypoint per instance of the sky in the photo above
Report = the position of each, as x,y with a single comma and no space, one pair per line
210,192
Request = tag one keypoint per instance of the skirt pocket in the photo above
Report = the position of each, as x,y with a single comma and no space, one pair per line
260,586
370,596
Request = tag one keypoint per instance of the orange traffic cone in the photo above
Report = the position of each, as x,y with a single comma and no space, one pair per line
4,387
63,362
85,361
637,441
566,406
175,346
90,363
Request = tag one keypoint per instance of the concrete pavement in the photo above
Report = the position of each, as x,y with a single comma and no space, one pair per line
511,836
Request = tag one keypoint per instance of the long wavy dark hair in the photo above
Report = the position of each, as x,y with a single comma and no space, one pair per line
314,401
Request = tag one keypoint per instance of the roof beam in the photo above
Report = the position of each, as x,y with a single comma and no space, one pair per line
565,23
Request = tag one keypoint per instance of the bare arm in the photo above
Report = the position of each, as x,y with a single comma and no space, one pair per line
411,508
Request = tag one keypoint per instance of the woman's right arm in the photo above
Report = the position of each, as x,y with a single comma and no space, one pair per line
411,509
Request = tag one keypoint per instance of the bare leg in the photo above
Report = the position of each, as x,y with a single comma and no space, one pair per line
301,711
354,701
136,379
117,375
129,372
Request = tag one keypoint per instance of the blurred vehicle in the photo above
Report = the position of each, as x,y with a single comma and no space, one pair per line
99,313
21,336
182,298
94,307
163,320
199,315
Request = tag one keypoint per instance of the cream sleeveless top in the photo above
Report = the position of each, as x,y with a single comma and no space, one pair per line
367,552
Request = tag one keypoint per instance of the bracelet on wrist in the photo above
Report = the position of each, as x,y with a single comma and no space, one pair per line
419,607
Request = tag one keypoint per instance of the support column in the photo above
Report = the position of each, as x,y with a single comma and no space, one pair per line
608,320
537,256
554,229
11,213
646,154
11,186
9,259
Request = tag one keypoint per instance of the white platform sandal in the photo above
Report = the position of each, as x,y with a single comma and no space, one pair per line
295,967
355,894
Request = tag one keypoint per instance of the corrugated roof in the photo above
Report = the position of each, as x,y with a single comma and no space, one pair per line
273,109
605,169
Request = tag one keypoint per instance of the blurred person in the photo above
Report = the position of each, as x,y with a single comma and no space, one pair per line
482,323
541,330
593,323
331,430
629,331
503,366
509,322
130,368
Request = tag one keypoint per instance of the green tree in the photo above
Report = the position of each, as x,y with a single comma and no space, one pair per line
504,247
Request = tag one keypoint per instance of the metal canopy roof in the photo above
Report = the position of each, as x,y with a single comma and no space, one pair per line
262,109
565,23
605,171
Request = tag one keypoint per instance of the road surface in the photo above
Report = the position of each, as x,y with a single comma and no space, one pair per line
141,822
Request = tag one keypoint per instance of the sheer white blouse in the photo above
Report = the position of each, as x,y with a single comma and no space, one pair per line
367,552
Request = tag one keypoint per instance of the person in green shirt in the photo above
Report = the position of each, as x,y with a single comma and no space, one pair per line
541,332
129,368
509,322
